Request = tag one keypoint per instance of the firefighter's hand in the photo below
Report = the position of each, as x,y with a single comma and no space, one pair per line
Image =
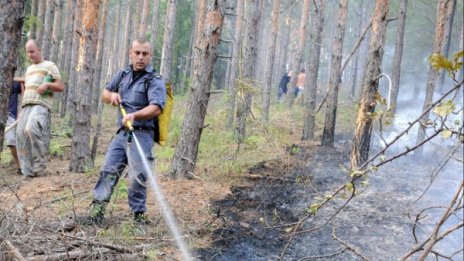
115,99
128,120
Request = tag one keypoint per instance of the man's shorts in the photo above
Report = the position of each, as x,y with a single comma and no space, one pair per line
10,136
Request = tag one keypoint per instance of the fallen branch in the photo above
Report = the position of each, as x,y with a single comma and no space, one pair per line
75,254
14,251
348,246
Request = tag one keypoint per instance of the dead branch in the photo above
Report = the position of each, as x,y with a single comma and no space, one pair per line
348,246
326,256
58,199
75,254
428,244
405,131
13,250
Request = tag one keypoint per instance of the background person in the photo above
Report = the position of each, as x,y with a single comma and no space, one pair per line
17,88
283,85
33,129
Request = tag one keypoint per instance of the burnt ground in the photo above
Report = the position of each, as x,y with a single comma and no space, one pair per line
251,220
376,225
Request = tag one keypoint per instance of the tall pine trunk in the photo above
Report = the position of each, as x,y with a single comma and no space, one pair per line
80,148
247,79
433,74
313,70
11,19
396,70
205,56
168,40
270,59
446,41
335,76
299,54
370,85
234,69
47,33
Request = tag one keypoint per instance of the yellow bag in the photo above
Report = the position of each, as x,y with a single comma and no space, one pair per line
165,117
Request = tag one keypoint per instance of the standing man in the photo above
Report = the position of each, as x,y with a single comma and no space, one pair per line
143,95
10,136
283,85
33,130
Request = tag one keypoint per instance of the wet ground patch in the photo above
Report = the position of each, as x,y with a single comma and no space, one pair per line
376,225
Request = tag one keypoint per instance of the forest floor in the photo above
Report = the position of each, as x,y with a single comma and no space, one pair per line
248,216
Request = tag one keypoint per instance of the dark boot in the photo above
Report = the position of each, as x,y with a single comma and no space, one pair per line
97,213
141,218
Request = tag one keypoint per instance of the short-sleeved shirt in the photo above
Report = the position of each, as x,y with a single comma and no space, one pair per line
146,89
13,100
35,75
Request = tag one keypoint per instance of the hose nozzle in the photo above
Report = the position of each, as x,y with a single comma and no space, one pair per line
124,113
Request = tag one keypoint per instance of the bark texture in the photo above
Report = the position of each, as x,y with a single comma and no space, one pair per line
370,84
433,74
11,19
335,76
270,59
80,148
398,55
168,40
313,70
205,56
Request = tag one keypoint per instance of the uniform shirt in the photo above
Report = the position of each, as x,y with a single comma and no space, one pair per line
35,75
138,92
13,100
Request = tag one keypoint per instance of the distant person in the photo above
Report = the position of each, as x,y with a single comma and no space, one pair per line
143,95
300,81
283,85
33,130
17,88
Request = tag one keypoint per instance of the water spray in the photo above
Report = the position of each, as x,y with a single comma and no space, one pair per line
164,208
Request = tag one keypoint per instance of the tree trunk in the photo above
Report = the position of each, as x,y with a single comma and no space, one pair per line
249,46
80,148
232,90
70,92
168,40
11,19
270,59
299,54
55,44
188,60
362,134
65,54
446,41
56,32
432,76
205,56
47,33
313,70
154,24
126,40
33,30
144,18
396,68
335,76
98,63
355,64
41,6
117,46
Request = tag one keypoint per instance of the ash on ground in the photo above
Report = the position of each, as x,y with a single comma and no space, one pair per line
376,225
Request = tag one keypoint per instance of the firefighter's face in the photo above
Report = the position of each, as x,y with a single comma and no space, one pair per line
140,55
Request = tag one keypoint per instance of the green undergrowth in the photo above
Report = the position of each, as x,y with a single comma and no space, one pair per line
220,156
